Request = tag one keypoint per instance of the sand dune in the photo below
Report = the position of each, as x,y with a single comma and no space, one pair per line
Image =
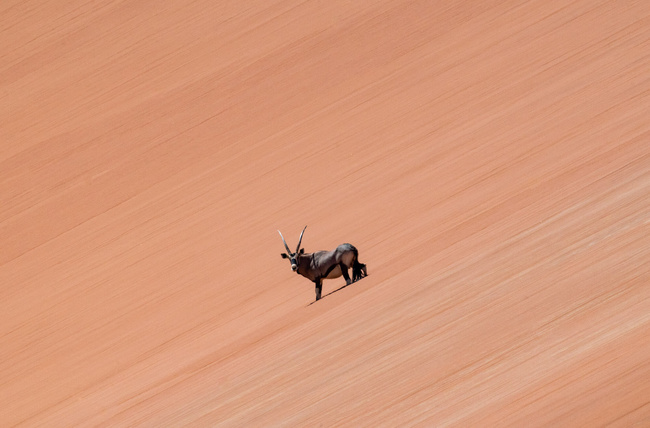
490,161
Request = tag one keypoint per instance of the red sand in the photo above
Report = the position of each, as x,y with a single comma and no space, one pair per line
490,160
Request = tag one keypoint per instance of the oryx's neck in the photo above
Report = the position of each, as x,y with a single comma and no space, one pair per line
304,261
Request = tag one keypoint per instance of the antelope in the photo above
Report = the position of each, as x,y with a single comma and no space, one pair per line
325,264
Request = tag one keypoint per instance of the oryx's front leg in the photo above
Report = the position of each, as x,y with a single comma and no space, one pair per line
319,287
344,271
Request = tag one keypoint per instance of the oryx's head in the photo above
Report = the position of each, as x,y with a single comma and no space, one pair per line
293,257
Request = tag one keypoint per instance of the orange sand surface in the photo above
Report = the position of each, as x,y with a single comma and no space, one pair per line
490,160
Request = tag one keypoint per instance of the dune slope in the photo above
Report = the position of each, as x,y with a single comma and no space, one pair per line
490,161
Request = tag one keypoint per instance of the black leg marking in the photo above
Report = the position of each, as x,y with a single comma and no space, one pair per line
319,288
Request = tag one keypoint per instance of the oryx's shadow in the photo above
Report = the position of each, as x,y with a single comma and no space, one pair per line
338,289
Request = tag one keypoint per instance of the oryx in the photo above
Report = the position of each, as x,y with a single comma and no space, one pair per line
325,264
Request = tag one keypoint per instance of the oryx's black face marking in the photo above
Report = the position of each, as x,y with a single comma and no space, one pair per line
325,264
293,258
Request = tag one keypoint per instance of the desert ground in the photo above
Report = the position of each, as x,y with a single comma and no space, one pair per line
490,160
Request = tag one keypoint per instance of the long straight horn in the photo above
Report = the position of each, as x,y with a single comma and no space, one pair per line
300,240
285,242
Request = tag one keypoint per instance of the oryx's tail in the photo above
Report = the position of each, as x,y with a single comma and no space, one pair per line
358,269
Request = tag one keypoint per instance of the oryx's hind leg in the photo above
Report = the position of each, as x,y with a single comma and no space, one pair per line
344,271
